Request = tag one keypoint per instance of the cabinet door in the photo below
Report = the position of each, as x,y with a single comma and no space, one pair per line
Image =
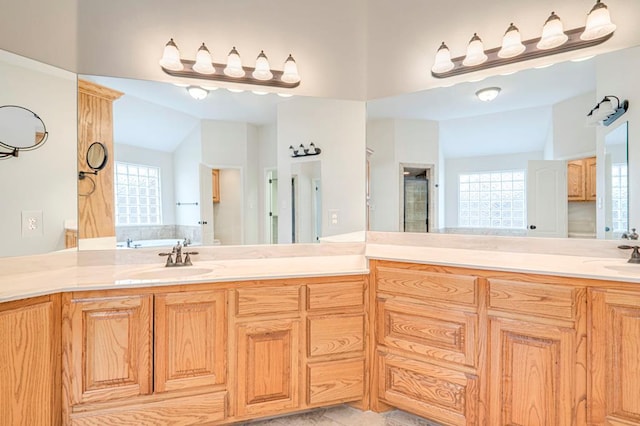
531,374
575,180
190,343
29,369
109,348
268,372
590,178
614,396
215,185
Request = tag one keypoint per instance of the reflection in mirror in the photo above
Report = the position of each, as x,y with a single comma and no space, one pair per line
97,156
206,171
616,182
306,202
499,167
38,213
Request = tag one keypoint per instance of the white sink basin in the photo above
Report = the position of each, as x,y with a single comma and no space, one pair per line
626,268
162,273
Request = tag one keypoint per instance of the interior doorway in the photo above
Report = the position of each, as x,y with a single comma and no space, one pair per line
415,198
272,206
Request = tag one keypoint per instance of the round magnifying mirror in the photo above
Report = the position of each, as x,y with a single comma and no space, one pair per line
97,156
21,128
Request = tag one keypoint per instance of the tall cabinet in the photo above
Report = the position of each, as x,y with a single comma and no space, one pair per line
96,213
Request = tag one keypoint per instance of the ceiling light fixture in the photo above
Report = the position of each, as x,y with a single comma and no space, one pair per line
553,40
233,71
488,94
197,92
604,113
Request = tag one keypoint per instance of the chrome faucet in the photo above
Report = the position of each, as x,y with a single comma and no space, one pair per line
177,250
633,235
186,242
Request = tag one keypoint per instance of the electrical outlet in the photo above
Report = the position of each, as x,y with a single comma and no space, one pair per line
32,223
333,217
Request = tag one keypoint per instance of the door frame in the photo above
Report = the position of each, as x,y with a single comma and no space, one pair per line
431,200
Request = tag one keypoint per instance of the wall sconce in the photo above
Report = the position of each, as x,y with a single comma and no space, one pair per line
233,71
20,130
604,113
554,40
301,151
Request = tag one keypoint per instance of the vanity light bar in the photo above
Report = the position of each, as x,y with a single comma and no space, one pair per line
531,51
232,72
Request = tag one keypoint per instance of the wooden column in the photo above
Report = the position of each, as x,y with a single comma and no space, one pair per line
96,215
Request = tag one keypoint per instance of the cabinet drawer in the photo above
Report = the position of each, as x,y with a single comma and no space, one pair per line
438,393
267,300
335,382
546,300
442,334
450,288
191,410
336,334
335,295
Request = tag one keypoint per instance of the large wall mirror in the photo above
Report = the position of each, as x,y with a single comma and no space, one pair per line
218,170
522,164
39,204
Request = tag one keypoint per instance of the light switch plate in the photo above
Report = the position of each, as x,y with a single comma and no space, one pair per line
32,223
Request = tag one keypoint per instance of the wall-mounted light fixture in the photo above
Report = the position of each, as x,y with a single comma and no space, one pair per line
605,113
301,151
233,71
553,40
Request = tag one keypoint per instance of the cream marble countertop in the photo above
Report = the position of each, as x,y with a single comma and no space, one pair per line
592,259
29,276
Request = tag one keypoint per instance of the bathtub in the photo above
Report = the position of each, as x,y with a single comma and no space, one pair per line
167,242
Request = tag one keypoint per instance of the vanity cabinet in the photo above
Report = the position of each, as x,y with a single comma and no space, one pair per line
614,357
30,362
537,352
581,179
427,355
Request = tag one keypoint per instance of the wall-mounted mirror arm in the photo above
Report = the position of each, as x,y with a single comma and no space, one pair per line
16,124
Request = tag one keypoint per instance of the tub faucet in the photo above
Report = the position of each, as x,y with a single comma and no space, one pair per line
633,235
129,241
186,242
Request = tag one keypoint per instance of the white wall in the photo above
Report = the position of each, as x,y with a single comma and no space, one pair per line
338,129
40,29
455,166
125,38
44,179
572,138
162,160
186,170
398,142
267,160
404,35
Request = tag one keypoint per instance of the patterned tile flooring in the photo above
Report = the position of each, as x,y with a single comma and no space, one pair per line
344,415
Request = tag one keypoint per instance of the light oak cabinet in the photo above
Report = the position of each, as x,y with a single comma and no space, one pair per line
581,179
29,362
215,185
427,342
615,357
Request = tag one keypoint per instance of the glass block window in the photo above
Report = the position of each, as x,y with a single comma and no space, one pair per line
492,200
619,192
137,195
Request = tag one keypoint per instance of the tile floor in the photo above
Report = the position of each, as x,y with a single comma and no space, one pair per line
344,415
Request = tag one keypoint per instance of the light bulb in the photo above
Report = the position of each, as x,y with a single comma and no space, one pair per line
262,70
290,71
443,60
511,43
475,52
598,23
234,65
552,33
203,61
171,57
197,93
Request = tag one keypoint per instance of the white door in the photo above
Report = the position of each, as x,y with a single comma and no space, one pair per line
547,198
206,205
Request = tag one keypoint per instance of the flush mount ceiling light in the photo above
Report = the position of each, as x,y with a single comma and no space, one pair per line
233,71
553,40
488,94
605,112
197,92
